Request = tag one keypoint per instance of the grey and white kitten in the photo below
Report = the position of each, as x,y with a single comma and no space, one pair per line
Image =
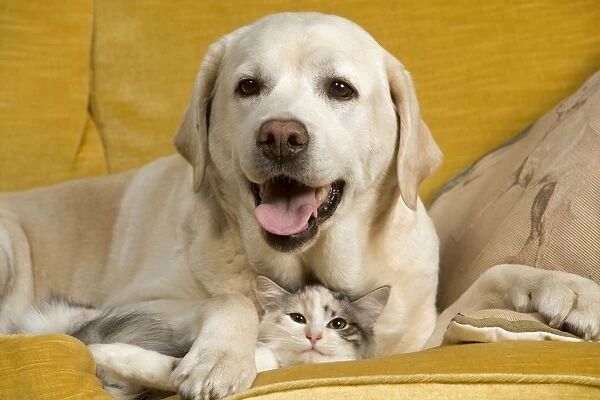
314,324
311,325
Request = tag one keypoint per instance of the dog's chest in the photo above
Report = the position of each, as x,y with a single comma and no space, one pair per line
221,267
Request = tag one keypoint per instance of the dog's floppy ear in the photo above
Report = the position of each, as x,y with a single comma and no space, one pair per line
418,154
191,139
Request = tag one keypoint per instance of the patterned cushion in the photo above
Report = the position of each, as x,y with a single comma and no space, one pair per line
534,201
488,326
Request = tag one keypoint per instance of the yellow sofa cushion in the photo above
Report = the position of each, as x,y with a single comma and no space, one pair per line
58,367
46,135
510,370
483,70
47,368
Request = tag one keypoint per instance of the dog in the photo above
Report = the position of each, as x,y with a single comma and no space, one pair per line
300,157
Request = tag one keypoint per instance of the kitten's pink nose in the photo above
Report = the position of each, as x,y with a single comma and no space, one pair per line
314,338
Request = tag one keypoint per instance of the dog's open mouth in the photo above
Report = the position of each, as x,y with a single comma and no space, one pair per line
289,212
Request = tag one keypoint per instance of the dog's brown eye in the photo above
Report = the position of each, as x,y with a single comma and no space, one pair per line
337,323
299,318
341,90
248,87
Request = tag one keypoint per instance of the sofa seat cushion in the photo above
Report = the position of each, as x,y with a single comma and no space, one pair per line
54,367
59,367
509,370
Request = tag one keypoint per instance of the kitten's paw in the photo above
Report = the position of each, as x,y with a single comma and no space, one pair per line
210,374
568,302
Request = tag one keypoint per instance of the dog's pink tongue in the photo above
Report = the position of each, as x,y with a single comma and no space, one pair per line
285,211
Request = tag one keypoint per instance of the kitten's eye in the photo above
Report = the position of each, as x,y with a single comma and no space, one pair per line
341,90
248,87
337,323
299,318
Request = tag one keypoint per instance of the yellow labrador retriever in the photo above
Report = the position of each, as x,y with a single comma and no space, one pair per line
303,148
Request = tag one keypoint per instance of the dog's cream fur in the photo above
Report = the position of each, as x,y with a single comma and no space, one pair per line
184,240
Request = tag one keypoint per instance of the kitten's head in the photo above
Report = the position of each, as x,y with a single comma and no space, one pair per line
316,324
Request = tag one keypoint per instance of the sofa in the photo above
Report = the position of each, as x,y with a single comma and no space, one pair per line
95,87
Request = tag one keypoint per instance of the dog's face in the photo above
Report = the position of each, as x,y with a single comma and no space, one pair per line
298,114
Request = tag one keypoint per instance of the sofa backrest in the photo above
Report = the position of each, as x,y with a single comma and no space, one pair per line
91,87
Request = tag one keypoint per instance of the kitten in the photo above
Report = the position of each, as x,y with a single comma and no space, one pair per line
314,325
136,351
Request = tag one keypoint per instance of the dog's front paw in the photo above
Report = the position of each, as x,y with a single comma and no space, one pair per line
568,302
205,374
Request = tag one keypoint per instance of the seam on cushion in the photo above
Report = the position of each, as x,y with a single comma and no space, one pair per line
360,386
88,114
519,379
89,102
82,135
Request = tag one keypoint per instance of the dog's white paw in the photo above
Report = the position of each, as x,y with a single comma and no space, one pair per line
208,374
568,302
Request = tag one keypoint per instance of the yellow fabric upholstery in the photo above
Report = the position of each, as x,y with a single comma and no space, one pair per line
91,87
46,135
366,389
47,368
513,370
575,360
483,71
59,367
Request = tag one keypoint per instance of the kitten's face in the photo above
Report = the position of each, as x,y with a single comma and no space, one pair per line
317,325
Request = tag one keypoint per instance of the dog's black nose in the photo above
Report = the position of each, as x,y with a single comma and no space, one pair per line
282,141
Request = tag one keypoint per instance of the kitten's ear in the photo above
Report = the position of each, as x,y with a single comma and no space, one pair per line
370,306
268,292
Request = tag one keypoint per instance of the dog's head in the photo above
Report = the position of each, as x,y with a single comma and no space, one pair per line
300,116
